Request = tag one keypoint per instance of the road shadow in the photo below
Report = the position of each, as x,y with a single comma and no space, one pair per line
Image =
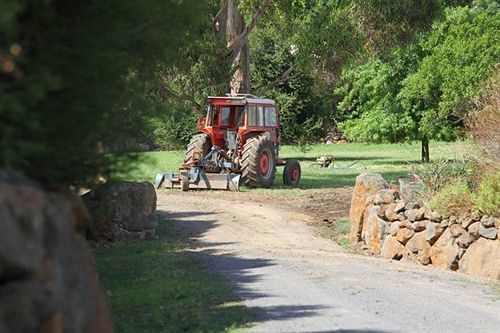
352,331
240,272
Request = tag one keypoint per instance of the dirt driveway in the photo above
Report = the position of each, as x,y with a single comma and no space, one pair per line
301,282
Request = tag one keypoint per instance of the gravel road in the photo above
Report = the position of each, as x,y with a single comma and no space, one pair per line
299,282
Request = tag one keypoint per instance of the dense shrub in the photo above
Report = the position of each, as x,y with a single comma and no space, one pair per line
484,124
454,198
487,198
439,174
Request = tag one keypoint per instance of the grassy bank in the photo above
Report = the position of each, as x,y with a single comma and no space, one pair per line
391,160
156,287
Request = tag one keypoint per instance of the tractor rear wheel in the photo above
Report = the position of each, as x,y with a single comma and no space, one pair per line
258,163
291,173
200,142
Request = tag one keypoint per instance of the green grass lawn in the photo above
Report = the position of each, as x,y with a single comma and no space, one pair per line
154,286
391,160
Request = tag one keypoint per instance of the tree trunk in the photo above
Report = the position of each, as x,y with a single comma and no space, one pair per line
229,23
235,26
425,150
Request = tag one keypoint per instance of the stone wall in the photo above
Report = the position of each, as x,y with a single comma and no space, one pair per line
385,225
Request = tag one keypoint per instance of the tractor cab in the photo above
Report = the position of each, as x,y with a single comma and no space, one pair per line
232,119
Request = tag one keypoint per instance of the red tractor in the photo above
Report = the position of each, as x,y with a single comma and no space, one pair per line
240,142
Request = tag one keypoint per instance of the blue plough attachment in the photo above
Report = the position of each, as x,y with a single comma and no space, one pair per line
194,177
198,180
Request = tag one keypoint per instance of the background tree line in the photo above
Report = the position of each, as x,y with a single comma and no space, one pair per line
76,77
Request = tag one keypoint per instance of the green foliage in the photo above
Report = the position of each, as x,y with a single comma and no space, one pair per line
487,198
452,199
369,99
387,24
422,90
74,76
462,51
301,108
341,232
172,129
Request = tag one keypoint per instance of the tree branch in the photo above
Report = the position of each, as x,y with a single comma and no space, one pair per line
181,98
238,41
282,78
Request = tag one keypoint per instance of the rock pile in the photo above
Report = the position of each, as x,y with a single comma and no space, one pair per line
335,137
396,229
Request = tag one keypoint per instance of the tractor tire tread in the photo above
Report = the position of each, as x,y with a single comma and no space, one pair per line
197,142
250,173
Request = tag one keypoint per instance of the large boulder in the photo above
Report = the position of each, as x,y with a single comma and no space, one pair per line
122,211
482,258
419,249
445,252
367,186
48,280
392,248
374,231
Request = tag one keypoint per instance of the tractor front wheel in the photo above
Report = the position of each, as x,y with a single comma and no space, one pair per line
200,142
291,173
258,163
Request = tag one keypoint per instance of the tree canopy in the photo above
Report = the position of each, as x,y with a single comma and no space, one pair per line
79,78
423,90
74,75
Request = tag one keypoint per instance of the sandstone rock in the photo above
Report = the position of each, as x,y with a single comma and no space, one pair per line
374,231
461,253
386,196
405,224
444,223
496,222
444,253
487,221
490,233
432,215
419,225
404,234
381,210
394,228
474,230
419,246
411,214
412,205
433,232
453,219
47,277
475,216
467,222
456,230
465,240
416,214
122,211
400,206
392,249
482,259
390,215
366,185
420,214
